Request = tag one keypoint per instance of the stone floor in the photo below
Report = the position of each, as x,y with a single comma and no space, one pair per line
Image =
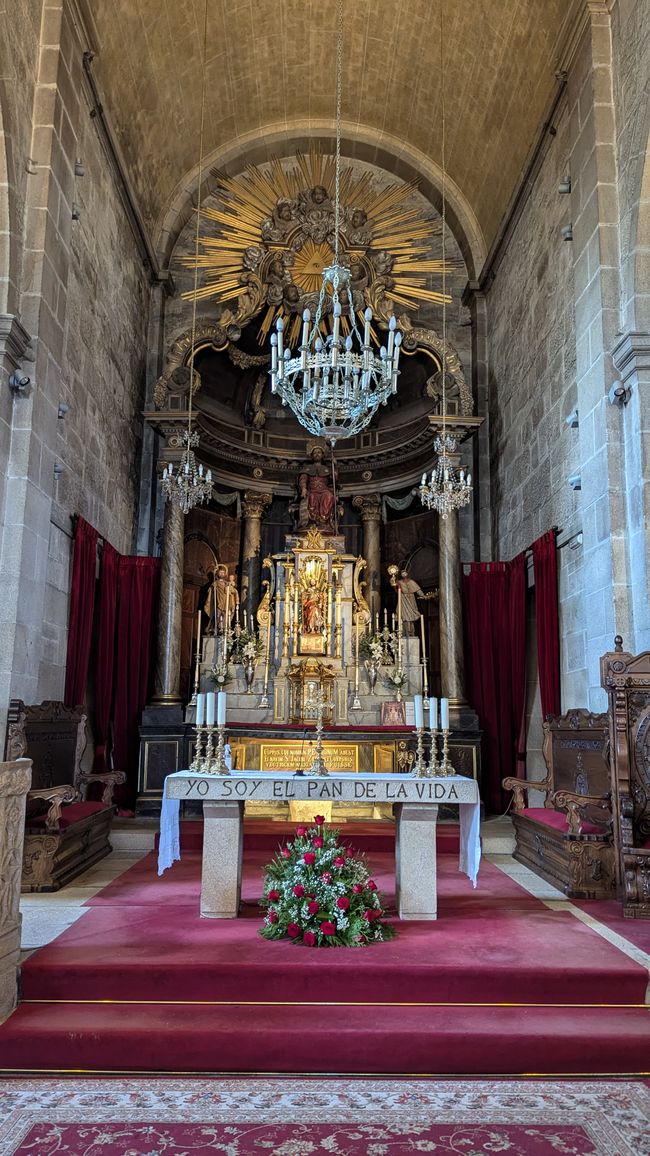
46,915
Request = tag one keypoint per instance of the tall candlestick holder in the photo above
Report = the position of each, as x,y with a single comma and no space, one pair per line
197,674
208,751
197,762
219,765
421,769
444,768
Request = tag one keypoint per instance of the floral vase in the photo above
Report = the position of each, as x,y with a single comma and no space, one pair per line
371,667
249,675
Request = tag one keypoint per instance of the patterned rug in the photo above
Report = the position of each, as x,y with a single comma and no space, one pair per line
298,1117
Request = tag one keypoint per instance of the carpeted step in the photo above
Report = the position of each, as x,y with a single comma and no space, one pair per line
295,1038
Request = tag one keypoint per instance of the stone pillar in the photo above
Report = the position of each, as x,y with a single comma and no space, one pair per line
168,658
452,666
253,507
369,506
415,861
15,781
631,357
223,834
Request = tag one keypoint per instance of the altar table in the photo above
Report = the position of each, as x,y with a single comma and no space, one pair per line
416,810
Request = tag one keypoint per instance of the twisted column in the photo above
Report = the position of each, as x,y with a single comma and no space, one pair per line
369,506
253,507
168,658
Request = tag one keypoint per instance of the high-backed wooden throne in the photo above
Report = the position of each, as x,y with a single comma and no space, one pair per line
626,678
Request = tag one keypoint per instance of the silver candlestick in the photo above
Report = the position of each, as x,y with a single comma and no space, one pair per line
444,768
318,764
219,765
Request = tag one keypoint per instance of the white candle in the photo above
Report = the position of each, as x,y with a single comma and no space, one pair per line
444,714
245,621
424,649
419,711
226,624
356,659
433,713
221,708
200,709
377,622
392,622
209,709
385,617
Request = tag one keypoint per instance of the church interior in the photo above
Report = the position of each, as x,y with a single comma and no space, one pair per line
325,499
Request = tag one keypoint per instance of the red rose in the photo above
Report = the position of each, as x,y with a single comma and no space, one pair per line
293,931
328,928
273,916
326,876
320,819
371,885
343,902
273,895
349,853
312,907
357,888
300,831
309,858
339,861
318,842
285,853
298,890
369,916
309,938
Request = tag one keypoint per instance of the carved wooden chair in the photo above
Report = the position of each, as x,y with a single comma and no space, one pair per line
65,833
569,839
626,678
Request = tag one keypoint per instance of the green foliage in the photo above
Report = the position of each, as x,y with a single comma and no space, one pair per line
317,893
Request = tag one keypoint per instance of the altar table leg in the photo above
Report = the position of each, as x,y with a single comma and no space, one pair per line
415,861
223,830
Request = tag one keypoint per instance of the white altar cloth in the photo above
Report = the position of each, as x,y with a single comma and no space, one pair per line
343,787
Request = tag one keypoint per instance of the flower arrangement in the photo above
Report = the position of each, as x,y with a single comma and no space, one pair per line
248,646
378,648
318,894
397,678
220,674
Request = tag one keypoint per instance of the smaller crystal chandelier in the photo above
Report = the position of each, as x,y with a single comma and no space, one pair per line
447,489
189,485
333,388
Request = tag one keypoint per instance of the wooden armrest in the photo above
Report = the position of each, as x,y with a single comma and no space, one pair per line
574,805
110,779
520,786
56,797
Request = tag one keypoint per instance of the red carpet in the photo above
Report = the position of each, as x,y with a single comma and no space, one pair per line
298,1117
429,1001
610,912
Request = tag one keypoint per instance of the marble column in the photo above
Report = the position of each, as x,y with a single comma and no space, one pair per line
369,506
253,507
452,666
168,658
15,781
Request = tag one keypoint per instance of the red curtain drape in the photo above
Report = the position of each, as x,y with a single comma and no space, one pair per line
548,621
517,573
495,649
137,596
105,651
82,605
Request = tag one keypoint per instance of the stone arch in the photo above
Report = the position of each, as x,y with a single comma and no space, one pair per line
358,142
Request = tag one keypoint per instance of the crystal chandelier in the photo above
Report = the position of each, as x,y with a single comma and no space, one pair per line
448,488
335,385
189,485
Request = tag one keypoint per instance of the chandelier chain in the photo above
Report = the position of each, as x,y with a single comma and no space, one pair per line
197,231
337,163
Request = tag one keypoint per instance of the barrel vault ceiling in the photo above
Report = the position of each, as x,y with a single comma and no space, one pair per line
270,63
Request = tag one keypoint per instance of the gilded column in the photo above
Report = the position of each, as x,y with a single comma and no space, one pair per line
168,658
452,666
369,506
253,507
15,781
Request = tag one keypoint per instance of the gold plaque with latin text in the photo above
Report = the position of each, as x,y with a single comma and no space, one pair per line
288,756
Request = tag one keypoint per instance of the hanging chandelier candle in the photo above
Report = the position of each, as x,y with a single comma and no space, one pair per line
448,488
334,384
